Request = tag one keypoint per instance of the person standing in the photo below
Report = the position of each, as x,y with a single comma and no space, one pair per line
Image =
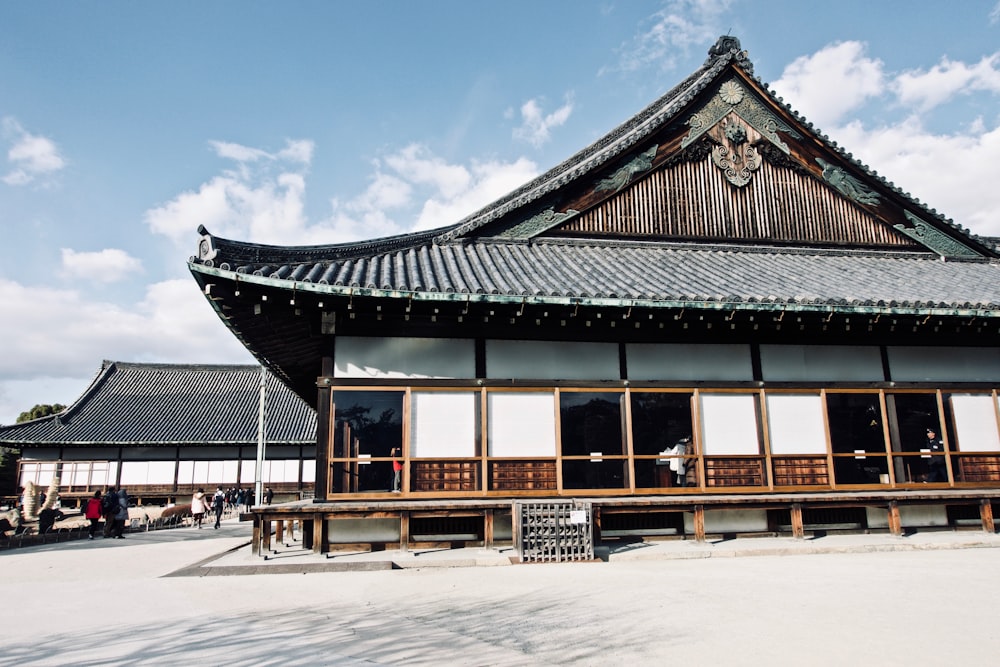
397,469
218,505
936,469
93,513
268,496
122,516
109,508
198,507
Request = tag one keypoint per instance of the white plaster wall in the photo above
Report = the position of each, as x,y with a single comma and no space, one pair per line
400,357
729,521
652,362
349,531
911,516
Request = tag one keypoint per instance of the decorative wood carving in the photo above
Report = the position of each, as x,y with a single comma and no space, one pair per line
733,97
934,239
537,224
737,159
847,185
624,175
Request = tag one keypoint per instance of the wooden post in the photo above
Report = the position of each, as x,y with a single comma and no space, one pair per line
488,529
699,523
404,531
895,522
986,514
255,545
318,534
265,527
798,530
279,532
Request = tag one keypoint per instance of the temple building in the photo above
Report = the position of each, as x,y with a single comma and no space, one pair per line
164,430
714,318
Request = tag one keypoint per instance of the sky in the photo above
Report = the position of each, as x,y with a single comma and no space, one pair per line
124,126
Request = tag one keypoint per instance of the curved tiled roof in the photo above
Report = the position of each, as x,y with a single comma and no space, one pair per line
161,404
549,270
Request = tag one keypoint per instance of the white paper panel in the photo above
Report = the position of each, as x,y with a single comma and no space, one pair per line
545,360
443,424
160,472
820,363
688,362
944,364
522,424
795,424
308,471
975,423
134,472
404,358
729,424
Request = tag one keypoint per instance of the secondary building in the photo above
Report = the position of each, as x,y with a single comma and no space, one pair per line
164,430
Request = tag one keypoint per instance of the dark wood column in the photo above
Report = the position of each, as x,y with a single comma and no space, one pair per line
324,434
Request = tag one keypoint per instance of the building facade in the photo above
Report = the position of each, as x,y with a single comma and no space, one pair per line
164,430
713,299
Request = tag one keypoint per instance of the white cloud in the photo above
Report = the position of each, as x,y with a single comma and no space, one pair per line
944,171
679,26
104,266
489,181
928,89
536,125
261,199
995,14
61,332
418,165
30,156
59,337
827,85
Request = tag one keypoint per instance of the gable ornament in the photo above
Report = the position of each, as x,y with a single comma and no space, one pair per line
847,185
934,239
733,97
738,159
537,224
626,173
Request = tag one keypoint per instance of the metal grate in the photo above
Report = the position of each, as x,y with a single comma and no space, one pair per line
553,531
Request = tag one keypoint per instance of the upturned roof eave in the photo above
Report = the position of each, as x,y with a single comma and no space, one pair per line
712,304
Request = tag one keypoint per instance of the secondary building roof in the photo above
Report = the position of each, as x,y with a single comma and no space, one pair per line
169,404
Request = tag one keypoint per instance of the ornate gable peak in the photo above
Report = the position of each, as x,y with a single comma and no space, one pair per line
729,46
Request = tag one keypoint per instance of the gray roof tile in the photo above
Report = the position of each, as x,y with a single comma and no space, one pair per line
162,404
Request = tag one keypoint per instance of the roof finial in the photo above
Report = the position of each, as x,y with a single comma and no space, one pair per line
724,46
728,47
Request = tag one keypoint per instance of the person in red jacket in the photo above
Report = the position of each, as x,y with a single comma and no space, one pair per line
93,512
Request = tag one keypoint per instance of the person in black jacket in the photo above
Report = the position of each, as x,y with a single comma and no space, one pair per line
936,469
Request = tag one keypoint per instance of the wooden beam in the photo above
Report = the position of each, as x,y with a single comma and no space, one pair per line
798,530
319,544
265,527
255,545
986,514
488,529
404,531
895,522
699,523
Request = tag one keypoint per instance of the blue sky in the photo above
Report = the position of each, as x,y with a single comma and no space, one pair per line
124,125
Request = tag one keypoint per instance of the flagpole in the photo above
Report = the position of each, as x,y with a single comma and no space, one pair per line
261,442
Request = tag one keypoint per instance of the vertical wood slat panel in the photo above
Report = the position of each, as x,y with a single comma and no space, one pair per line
695,200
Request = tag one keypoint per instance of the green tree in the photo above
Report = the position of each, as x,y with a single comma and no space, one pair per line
40,411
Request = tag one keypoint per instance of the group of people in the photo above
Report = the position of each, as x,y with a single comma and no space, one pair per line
220,501
112,506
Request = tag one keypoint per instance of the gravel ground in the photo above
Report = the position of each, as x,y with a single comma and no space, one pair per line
110,602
